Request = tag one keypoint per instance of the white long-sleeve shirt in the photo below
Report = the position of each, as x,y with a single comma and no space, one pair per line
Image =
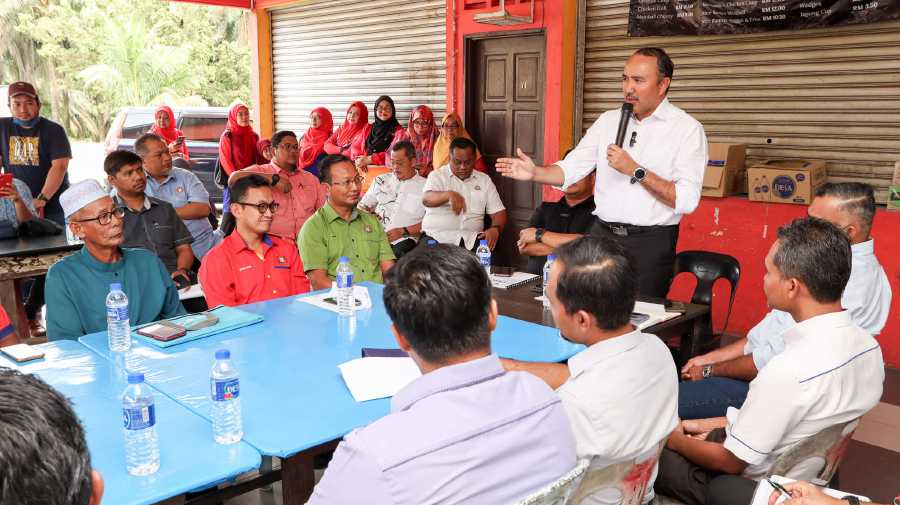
670,143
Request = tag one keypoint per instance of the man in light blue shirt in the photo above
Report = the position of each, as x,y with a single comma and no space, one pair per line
465,431
181,188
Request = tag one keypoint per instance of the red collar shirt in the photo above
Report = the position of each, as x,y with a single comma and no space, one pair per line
232,274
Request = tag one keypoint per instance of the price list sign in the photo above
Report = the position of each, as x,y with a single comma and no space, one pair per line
711,17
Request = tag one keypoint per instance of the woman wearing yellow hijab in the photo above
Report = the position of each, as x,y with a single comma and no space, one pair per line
451,127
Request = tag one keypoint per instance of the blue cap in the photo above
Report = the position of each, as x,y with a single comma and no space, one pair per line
115,286
483,241
551,257
135,377
344,259
223,354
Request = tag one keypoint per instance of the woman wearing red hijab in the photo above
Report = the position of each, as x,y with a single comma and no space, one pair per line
312,145
372,146
354,123
422,132
237,145
164,126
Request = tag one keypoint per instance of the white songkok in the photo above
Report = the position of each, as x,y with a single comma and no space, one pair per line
80,195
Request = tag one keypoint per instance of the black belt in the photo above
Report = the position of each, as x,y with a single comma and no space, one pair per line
624,230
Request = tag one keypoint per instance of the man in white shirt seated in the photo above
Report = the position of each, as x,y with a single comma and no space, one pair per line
719,379
457,198
396,199
620,393
831,371
464,432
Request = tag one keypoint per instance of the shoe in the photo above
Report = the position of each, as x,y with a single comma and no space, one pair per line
36,328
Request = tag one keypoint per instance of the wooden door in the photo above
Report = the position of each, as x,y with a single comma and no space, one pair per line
505,102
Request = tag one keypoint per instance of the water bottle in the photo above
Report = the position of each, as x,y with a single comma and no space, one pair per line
346,303
117,323
141,444
226,400
484,256
547,264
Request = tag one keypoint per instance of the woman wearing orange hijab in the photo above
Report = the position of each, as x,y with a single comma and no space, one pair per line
164,126
452,127
354,123
312,145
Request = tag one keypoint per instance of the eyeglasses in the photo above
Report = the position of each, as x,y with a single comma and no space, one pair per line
421,122
104,218
358,180
289,147
261,207
450,126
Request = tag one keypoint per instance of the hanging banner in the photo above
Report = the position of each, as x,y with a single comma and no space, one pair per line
711,17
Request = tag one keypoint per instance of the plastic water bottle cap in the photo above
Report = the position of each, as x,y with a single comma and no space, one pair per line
223,354
432,242
115,286
344,259
551,257
483,242
135,377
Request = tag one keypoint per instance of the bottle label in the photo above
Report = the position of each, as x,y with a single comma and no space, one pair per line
485,259
344,280
139,418
224,390
117,313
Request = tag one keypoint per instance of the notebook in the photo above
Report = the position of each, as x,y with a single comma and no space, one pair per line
513,281
764,491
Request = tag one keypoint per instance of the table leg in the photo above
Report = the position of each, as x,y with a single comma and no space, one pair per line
297,478
690,344
14,305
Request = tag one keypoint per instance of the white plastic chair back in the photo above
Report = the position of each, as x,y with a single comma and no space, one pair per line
623,483
558,492
816,458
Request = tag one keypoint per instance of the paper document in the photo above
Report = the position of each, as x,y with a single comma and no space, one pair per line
514,280
655,312
764,491
373,378
193,291
328,301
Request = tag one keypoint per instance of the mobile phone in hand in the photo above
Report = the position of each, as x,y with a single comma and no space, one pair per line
6,180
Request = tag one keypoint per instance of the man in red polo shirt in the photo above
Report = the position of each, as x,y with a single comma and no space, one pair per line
297,192
250,265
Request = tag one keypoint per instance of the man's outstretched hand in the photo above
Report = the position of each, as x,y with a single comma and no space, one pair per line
521,168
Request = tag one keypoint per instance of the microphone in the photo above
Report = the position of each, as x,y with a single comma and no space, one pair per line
623,123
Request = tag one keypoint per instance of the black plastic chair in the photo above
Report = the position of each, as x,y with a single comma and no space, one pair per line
708,267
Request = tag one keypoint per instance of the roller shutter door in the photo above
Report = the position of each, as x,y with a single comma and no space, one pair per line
825,93
333,52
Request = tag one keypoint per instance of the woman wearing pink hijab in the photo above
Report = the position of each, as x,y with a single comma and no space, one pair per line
422,132
237,145
354,122
312,145
164,126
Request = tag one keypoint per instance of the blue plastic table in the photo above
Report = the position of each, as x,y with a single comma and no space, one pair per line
190,459
293,397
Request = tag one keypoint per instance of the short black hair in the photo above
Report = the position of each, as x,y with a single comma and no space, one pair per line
462,143
140,145
407,147
327,162
817,253
239,188
118,159
664,64
280,135
43,452
439,298
599,277
857,199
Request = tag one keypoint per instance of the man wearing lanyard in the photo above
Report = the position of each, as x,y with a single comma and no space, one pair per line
644,187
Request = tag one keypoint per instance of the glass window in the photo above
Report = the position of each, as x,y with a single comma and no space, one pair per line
203,129
136,124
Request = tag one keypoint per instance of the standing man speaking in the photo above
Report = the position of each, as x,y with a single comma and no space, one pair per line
644,186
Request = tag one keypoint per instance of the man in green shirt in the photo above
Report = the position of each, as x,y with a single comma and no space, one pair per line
78,284
339,229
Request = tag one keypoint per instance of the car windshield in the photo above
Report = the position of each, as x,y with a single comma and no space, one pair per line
136,124
203,129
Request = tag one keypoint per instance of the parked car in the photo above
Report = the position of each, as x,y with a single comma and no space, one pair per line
202,127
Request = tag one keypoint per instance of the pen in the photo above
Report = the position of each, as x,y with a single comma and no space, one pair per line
778,487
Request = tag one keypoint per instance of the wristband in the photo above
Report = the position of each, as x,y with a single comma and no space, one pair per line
41,197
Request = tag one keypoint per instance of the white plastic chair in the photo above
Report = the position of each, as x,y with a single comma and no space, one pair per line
622,483
816,458
558,492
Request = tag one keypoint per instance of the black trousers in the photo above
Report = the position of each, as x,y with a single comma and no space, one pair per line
34,290
652,248
403,247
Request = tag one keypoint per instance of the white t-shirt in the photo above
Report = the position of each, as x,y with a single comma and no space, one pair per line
396,203
481,198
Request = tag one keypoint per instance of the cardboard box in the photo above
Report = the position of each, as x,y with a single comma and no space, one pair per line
785,181
725,172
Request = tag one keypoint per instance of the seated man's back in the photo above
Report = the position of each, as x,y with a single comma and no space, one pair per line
466,431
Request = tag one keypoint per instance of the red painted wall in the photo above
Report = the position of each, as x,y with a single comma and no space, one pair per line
746,230
549,17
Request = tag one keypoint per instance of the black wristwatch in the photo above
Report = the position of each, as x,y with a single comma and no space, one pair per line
539,235
639,175
851,499
275,179
405,232
707,371
41,197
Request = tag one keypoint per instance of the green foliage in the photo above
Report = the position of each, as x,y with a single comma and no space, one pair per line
88,58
